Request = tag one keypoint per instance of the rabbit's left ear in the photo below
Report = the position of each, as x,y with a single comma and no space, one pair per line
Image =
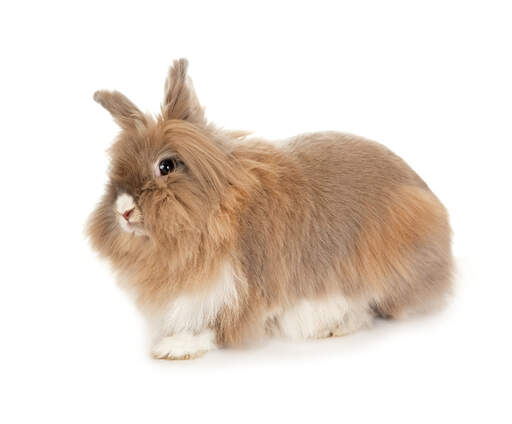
124,112
180,100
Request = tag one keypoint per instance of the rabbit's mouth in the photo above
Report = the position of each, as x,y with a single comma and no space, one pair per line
132,227
128,215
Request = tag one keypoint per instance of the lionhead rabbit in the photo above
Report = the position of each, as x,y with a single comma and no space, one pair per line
224,238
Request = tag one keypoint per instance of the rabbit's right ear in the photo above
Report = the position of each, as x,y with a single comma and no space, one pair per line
180,100
124,112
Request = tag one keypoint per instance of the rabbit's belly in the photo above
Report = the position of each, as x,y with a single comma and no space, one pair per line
316,318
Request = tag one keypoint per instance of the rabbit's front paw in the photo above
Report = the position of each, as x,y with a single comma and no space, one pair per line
184,346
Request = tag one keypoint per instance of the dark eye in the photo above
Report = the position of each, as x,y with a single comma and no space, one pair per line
168,165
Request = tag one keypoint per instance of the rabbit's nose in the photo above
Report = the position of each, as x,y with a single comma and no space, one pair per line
127,213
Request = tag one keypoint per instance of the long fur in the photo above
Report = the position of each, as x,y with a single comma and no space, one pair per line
326,216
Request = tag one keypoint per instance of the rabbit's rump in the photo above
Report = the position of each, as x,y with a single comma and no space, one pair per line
353,233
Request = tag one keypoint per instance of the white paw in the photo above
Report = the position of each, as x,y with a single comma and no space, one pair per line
184,345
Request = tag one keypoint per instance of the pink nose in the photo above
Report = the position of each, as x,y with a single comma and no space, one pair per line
127,213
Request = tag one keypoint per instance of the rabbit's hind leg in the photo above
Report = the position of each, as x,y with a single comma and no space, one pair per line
319,318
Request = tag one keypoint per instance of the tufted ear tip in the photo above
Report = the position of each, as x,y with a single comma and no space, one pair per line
97,96
101,96
181,63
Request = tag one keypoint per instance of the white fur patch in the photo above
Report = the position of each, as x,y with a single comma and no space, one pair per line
184,345
335,315
198,311
125,202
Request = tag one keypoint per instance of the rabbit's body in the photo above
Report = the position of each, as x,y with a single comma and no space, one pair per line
244,239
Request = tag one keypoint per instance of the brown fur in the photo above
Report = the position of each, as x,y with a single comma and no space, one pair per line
326,214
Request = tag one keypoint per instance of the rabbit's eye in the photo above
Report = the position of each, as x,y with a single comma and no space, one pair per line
168,165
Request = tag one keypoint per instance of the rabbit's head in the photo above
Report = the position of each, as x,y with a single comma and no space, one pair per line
173,179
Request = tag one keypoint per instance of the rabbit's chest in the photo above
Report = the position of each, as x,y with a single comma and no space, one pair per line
193,312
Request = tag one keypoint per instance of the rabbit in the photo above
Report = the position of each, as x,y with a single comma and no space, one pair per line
225,239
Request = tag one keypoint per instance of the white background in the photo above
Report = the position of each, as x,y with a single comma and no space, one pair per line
432,81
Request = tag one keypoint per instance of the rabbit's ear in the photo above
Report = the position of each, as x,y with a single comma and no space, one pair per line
180,100
124,112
